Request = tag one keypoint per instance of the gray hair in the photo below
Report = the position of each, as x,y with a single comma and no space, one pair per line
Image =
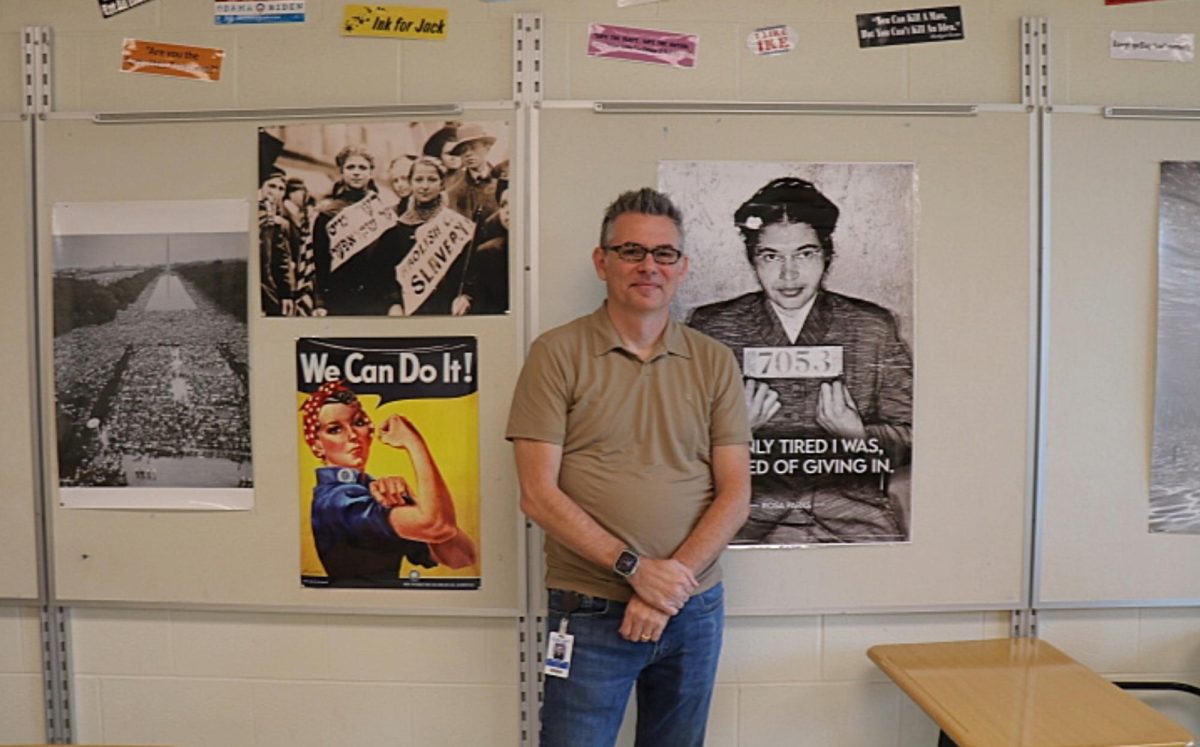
645,201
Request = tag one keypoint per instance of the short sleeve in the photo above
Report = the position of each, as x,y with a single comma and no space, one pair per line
730,423
351,513
351,517
541,398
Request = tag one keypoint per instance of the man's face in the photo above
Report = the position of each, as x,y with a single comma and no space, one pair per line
789,263
344,435
475,155
646,286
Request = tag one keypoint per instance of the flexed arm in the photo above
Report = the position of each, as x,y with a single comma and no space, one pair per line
426,514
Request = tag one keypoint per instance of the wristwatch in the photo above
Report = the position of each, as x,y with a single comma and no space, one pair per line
626,563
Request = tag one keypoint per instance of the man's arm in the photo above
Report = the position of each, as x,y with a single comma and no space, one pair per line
662,583
721,520
726,514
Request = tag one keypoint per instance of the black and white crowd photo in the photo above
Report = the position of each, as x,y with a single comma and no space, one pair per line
384,219
806,271
1175,473
150,345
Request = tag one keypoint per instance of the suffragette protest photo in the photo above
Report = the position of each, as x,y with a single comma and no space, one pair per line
384,219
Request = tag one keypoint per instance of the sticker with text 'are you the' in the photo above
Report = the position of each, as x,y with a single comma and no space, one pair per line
916,26
173,60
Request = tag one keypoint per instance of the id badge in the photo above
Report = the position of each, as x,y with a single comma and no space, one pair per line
558,652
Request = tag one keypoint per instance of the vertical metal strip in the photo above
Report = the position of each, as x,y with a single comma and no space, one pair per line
37,102
1044,96
1043,211
1034,71
522,228
1027,52
29,38
43,66
534,564
57,671
527,93
528,46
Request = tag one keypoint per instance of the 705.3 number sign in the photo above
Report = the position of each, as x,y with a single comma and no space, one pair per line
799,362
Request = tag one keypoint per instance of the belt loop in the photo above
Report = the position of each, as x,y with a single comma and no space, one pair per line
571,601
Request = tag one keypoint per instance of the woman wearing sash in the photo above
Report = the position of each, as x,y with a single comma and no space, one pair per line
431,281
357,281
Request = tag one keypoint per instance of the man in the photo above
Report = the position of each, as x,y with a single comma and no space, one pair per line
631,440
472,190
485,284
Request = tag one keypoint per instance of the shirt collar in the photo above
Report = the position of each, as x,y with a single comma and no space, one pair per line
605,339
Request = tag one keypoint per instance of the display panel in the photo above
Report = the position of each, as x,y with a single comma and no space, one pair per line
974,307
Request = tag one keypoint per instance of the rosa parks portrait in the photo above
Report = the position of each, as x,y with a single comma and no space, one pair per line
805,271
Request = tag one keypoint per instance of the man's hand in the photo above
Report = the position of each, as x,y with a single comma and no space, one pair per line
665,585
390,492
837,413
642,623
762,402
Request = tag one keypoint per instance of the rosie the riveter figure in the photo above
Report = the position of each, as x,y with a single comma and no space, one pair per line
364,527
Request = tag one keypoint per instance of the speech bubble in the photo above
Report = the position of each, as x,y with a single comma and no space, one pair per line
396,368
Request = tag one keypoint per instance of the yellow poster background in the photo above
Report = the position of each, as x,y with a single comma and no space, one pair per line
450,427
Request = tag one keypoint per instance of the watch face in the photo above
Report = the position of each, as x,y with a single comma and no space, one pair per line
626,562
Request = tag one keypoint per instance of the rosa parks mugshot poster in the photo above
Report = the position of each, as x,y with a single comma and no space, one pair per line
387,432
805,270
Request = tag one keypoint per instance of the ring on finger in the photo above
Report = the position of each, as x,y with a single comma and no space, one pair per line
644,637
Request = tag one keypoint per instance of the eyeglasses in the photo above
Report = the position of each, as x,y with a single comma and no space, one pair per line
633,252
805,255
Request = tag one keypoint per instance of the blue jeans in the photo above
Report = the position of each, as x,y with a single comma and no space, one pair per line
674,676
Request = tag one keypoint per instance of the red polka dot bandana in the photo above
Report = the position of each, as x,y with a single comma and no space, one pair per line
312,407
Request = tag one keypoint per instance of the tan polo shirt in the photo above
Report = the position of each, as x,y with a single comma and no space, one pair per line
637,436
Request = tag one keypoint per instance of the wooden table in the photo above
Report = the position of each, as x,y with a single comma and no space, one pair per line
1021,692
